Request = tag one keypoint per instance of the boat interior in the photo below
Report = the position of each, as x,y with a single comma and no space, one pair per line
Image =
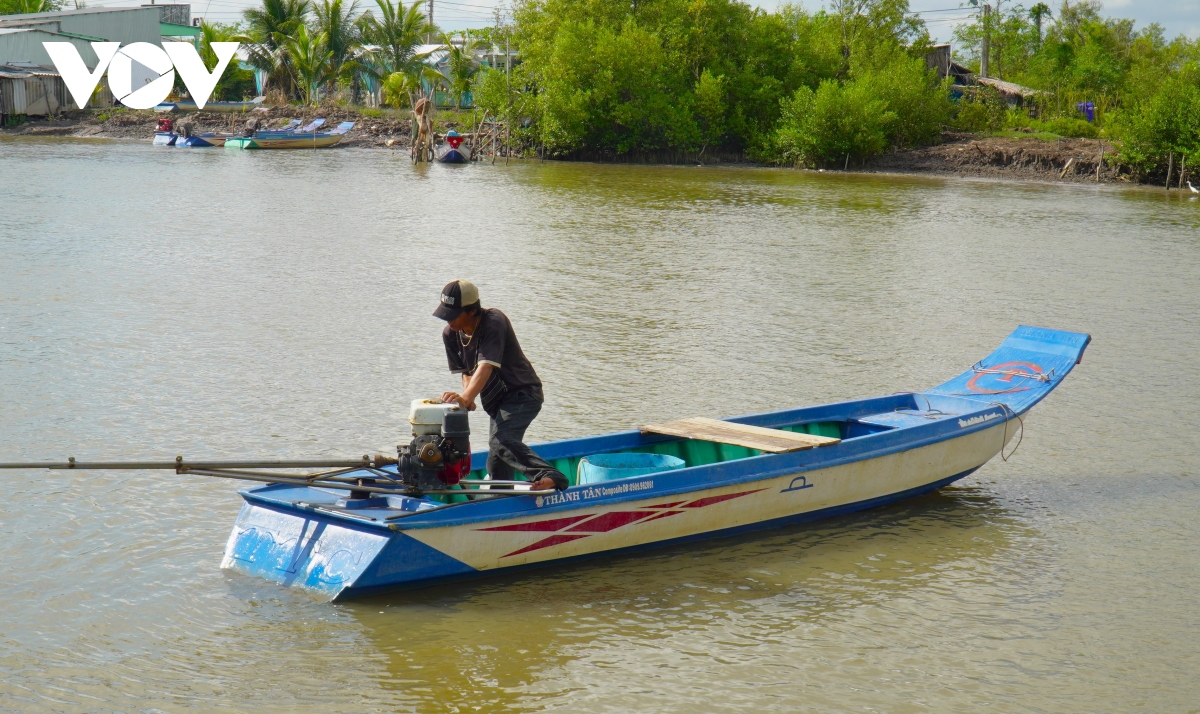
840,422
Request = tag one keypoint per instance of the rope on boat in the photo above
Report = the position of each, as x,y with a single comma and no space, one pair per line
980,369
1021,435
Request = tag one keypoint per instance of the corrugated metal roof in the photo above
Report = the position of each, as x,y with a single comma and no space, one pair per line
66,13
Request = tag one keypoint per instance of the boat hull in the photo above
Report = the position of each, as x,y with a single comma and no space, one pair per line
338,559
449,155
200,141
294,141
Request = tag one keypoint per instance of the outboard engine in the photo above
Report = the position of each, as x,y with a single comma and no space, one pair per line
165,125
439,454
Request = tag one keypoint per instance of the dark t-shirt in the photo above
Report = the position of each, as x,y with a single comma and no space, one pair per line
494,342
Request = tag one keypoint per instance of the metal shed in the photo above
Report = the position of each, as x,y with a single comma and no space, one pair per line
30,90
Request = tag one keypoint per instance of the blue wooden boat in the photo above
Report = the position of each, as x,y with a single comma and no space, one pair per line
306,137
430,515
849,456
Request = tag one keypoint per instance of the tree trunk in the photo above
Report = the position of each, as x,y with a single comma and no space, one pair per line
1170,168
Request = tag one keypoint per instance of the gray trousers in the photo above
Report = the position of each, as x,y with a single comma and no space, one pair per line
507,452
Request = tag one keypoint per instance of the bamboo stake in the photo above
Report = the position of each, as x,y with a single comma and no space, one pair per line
1182,170
1099,163
1170,168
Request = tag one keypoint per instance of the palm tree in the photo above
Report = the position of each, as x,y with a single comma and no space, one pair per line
343,35
267,36
393,37
312,61
461,65
1038,12
31,6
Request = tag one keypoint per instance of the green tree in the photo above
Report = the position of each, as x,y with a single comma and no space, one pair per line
268,33
710,108
461,65
832,125
21,7
312,61
392,33
339,23
1168,122
235,83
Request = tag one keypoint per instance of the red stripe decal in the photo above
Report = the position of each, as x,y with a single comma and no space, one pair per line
663,514
702,502
546,543
665,505
608,521
554,524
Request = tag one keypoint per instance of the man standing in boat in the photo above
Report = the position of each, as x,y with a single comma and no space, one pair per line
482,347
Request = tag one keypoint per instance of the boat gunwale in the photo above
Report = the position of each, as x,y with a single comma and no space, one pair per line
692,479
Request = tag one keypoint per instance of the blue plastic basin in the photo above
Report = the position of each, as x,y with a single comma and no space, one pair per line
606,467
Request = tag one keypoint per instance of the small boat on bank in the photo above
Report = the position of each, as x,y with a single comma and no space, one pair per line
432,515
303,138
453,151
167,134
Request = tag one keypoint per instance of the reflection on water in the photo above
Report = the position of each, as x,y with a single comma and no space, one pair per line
155,302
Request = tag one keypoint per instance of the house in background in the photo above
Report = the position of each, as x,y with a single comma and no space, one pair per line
29,83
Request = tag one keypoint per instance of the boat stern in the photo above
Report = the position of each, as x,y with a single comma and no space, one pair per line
332,558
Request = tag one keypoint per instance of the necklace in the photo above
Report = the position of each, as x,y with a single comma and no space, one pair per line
469,338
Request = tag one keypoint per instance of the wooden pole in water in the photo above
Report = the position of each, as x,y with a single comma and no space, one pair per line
1170,168
1182,170
1099,163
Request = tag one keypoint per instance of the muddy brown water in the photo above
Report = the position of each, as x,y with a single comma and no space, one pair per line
156,302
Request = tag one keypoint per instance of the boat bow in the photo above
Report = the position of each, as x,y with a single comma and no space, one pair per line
1026,367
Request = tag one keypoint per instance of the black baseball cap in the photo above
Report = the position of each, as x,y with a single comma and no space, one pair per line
457,296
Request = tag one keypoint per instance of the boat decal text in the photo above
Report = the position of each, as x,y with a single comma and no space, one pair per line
592,492
569,528
964,423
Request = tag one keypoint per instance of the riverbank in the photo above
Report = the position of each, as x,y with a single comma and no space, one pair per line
1013,157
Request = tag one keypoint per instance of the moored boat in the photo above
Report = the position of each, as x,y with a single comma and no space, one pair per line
299,139
739,474
203,140
453,151
188,105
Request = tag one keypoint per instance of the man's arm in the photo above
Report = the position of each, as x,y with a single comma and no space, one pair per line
472,386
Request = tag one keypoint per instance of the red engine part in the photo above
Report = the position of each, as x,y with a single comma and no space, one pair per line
455,472
166,125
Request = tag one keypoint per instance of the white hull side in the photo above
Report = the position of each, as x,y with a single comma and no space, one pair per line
764,500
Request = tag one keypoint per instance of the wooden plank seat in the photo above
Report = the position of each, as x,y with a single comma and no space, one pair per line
774,441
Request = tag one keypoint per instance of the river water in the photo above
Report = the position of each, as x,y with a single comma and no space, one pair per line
156,302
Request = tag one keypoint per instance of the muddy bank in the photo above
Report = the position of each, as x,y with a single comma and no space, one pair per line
1030,158
1074,160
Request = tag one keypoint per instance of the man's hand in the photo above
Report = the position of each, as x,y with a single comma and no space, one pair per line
456,398
542,484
